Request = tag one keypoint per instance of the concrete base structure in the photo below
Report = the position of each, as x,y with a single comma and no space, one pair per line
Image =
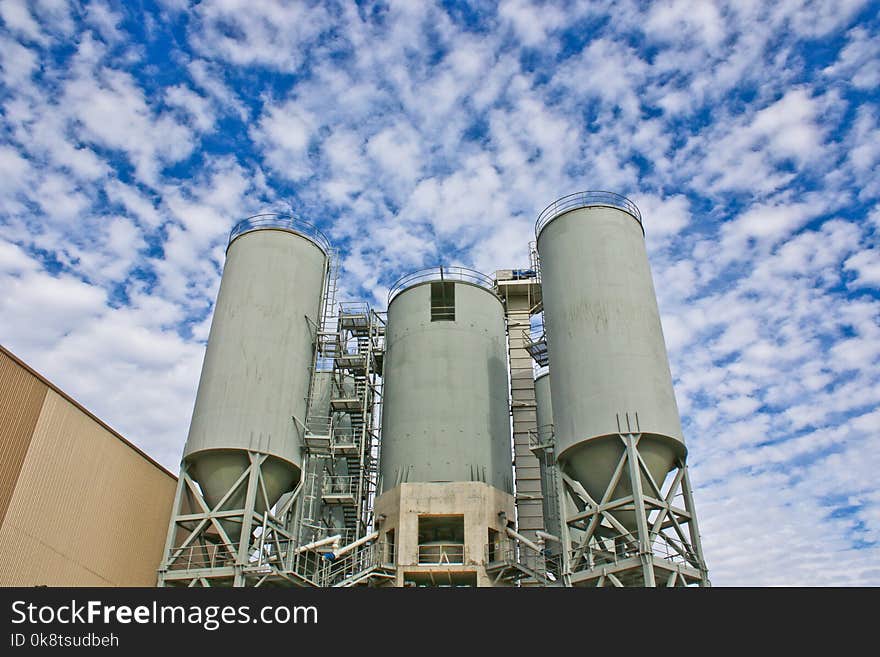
443,534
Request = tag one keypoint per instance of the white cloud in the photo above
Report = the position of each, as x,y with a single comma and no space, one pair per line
17,16
866,265
272,34
859,61
284,133
744,155
197,107
671,19
113,112
532,21
397,150
17,61
663,216
767,224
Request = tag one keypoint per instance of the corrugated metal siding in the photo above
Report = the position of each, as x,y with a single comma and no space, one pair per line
21,398
88,510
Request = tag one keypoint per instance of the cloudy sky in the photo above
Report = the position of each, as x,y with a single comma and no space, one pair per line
134,134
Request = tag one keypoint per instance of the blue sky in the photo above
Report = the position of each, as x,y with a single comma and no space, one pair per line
135,134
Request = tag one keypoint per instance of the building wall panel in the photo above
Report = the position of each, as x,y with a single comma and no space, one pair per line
21,398
88,510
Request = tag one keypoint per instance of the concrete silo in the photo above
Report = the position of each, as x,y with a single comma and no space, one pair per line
616,423
244,449
550,498
543,402
446,473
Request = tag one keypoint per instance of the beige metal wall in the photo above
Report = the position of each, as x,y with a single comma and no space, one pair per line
21,399
80,505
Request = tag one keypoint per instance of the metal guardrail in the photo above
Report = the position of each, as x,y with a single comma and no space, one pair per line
325,427
339,485
441,273
508,552
587,200
453,554
314,565
542,436
354,308
665,547
535,342
316,532
198,556
359,561
283,221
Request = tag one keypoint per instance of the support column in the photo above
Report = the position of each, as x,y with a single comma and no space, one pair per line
247,520
645,554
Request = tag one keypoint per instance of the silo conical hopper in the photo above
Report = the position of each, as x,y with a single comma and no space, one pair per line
255,377
605,343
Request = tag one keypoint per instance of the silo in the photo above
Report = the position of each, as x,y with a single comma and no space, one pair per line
255,377
610,368
543,405
445,409
549,485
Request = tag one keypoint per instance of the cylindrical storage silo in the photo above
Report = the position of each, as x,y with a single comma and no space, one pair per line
445,407
543,405
544,417
605,342
255,377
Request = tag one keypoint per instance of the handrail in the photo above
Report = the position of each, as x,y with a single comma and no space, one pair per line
339,484
442,553
534,336
284,221
587,200
542,435
441,273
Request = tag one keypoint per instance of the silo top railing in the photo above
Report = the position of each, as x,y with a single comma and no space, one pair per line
580,200
442,273
284,222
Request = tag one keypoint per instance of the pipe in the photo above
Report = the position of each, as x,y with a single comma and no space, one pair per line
351,546
316,544
548,537
522,539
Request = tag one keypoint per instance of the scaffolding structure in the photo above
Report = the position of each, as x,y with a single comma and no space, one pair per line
341,436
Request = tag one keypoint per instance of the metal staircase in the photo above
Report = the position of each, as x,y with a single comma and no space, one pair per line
342,427
510,561
536,344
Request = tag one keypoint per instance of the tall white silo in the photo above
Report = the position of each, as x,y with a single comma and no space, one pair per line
446,460
614,411
605,342
244,449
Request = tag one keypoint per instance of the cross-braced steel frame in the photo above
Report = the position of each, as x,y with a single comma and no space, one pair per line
663,549
200,551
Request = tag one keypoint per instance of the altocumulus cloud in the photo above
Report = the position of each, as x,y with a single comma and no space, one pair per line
419,132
